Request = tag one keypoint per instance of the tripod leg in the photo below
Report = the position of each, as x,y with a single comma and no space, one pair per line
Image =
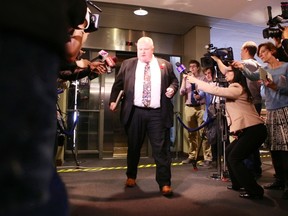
194,162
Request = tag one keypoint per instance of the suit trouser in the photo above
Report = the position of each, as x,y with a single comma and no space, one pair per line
247,142
149,121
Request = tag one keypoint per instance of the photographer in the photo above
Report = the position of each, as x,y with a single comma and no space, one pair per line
248,52
282,45
277,32
245,123
34,34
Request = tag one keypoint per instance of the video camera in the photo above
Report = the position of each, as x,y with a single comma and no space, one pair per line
275,29
225,54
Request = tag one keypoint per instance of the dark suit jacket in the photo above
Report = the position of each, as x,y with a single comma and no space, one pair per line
126,80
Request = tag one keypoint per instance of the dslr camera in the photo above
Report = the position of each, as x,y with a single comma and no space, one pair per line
225,54
275,29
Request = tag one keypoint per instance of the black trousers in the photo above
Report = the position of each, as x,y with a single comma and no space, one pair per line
144,122
247,142
280,164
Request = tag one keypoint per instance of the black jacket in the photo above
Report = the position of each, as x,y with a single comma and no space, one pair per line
126,79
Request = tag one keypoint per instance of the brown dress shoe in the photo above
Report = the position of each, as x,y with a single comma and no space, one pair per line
166,191
130,182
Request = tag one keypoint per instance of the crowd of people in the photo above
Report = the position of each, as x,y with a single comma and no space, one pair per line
243,104
29,180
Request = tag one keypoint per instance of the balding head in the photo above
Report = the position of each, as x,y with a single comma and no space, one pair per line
248,50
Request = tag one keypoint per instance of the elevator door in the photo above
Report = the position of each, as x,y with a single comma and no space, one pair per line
98,131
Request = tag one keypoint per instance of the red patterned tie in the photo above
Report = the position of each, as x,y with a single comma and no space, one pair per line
146,96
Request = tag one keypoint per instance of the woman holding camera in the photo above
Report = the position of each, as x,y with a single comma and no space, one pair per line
244,123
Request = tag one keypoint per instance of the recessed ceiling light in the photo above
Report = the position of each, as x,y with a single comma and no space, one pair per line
140,12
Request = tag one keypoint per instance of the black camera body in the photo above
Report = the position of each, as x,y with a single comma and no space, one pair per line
225,54
275,29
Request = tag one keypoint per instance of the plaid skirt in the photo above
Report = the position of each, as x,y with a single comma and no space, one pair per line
277,127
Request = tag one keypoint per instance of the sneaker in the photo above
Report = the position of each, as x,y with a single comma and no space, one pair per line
187,161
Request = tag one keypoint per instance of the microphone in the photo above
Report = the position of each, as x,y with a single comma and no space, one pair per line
180,68
102,55
110,63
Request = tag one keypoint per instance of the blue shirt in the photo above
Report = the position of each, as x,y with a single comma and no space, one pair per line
274,99
208,100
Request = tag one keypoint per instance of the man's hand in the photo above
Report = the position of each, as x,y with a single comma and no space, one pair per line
238,64
113,106
169,92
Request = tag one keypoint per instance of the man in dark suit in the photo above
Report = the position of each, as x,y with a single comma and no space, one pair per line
154,118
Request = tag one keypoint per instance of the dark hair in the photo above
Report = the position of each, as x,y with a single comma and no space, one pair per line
192,61
241,79
207,68
269,46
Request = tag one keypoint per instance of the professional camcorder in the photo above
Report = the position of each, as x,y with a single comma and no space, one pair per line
275,29
225,54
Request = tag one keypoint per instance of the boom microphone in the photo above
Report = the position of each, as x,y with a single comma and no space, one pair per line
180,68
